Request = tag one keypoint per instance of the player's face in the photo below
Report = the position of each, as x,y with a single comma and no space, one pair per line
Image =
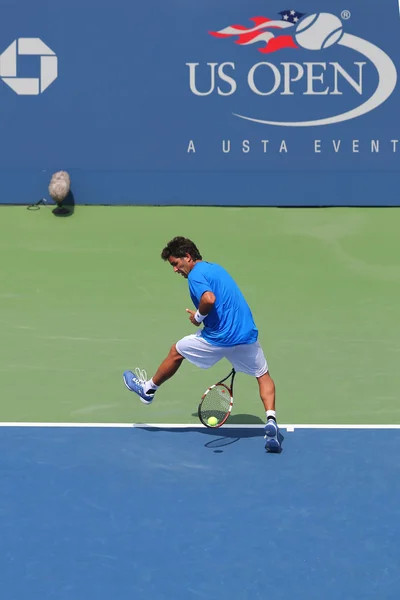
182,265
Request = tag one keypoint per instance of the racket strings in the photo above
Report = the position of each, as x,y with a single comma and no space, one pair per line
216,403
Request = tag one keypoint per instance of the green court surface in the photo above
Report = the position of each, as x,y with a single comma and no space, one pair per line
86,297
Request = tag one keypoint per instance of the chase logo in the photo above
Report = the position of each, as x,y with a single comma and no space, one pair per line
28,86
300,34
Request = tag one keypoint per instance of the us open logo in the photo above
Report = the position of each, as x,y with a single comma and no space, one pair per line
296,31
28,86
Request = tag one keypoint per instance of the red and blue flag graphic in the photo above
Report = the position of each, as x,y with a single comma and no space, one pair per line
261,32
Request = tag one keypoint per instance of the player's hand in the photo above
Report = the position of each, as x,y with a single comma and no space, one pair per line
191,317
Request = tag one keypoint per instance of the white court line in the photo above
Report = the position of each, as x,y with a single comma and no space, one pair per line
193,426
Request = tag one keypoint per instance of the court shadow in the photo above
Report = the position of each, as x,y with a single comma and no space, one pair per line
223,436
243,419
221,442
66,208
222,432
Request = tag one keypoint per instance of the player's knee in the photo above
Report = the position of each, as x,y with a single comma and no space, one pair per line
174,354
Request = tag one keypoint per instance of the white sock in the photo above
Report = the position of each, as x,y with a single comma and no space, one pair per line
271,413
150,386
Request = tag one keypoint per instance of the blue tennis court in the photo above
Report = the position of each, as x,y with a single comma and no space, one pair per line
108,512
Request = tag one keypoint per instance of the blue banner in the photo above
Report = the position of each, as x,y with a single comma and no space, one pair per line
226,102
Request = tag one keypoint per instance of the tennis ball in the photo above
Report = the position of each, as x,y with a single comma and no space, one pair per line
212,421
319,31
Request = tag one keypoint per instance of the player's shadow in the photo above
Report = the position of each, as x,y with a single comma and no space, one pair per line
225,431
243,419
227,436
223,436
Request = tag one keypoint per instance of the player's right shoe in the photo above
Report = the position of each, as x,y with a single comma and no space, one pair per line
272,443
136,382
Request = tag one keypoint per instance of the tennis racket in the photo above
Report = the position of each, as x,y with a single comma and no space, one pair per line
217,401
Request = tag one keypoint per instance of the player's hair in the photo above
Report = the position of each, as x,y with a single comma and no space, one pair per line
179,247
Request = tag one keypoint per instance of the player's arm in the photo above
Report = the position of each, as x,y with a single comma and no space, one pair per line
207,301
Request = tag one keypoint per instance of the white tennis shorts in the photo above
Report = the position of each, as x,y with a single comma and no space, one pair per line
245,358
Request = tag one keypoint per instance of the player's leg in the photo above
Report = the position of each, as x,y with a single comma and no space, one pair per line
192,347
137,382
267,394
166,370
250,359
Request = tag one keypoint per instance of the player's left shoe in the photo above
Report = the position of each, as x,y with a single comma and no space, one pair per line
136,382
272,443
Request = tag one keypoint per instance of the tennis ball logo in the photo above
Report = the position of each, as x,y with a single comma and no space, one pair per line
319,31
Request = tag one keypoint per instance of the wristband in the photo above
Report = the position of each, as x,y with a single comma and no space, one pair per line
198,317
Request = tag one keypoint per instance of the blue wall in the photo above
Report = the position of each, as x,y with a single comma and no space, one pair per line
121,113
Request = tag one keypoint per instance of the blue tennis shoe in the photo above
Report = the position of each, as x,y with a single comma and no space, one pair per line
136,382
272,443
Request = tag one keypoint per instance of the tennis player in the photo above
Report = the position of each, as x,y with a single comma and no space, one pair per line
228,331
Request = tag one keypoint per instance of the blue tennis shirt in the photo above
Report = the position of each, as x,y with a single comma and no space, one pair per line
230,321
